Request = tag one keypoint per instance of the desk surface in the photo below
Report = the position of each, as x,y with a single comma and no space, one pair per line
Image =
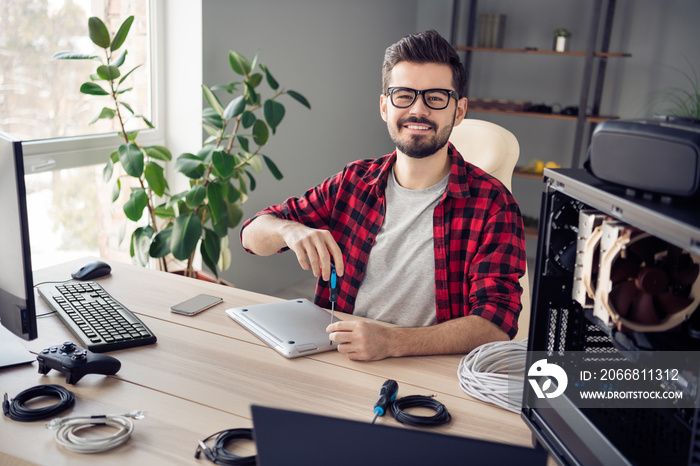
206,371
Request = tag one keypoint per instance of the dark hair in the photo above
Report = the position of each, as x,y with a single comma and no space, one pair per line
424,47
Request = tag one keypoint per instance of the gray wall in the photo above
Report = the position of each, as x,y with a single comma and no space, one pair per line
319,47
331,51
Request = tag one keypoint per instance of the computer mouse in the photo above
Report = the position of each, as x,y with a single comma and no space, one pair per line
92,270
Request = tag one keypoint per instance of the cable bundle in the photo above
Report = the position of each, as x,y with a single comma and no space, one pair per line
494,372
218,454
441,416
18,411
68,427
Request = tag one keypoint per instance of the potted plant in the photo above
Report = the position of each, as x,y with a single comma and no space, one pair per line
221,173
561,40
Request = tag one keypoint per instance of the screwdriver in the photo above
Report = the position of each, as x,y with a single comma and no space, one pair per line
334,288
387,394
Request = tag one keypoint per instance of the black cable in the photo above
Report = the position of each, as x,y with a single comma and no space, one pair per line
219,454
18,411
441,416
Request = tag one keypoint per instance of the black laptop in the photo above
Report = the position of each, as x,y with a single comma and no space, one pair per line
288,437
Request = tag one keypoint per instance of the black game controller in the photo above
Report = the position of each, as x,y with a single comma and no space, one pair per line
75,362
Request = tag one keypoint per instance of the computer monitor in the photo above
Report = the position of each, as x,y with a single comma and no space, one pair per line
17,309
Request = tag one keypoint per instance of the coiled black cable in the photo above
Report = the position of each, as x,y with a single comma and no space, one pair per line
218,453
18,411
398,407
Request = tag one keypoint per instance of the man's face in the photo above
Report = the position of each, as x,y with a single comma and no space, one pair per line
420,131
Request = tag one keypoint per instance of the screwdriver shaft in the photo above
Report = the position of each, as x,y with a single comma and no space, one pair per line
375,417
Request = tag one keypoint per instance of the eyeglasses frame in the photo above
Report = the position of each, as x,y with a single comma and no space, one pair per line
416,93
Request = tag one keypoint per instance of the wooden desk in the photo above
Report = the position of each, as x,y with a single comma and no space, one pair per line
205,371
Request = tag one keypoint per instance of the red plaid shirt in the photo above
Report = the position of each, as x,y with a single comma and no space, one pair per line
477,230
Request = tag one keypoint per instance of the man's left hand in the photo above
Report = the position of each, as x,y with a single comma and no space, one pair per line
361,340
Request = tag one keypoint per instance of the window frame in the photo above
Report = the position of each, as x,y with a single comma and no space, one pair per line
70,152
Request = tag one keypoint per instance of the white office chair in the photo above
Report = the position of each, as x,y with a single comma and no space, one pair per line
495,150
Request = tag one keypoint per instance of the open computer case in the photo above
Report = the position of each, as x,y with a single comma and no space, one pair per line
581,221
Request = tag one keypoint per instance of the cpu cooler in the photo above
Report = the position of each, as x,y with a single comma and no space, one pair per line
646,284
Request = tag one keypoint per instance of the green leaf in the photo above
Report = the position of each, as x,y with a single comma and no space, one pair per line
116,190
98,32
66,55
134,207
187,230
140,244
128,73
121,34
154,176
108,171
190,166
210,117
195,196
254,80
225,255
131,158
260,133
159,153
255,163
300,98
108,72
119,61
253,184
127,106
239,64
235,214
272,167
234,108
244,143
224,163
213,100
105,113
274,112
251,97
114,157
247,119
271,81
210,249
232,194
160,246
164,210
92,89
217,203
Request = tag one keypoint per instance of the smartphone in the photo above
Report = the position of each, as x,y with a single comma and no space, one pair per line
196,305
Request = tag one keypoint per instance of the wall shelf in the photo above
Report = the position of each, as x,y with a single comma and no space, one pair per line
580,53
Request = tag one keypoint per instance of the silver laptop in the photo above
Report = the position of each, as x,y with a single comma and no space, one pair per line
292,328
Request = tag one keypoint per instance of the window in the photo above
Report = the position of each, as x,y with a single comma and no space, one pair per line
70,209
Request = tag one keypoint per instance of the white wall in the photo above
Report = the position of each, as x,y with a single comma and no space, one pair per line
331,51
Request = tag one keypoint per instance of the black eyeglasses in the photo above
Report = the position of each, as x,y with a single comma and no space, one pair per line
437,99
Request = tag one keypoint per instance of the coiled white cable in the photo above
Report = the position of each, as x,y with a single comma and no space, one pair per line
66,435
495,373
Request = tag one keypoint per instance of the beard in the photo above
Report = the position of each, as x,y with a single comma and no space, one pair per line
418,146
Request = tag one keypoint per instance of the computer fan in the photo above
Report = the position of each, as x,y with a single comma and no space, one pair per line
646,284
587,257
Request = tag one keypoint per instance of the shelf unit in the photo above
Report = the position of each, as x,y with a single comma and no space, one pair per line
593,77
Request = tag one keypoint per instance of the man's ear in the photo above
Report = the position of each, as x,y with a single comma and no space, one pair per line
382,105
462,105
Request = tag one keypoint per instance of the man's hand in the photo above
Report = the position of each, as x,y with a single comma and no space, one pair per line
361,340
314,249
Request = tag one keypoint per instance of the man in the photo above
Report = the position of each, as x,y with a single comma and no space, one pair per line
420,238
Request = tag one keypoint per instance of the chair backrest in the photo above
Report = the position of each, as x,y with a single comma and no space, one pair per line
495,150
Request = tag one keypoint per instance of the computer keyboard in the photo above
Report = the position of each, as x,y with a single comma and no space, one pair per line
98,320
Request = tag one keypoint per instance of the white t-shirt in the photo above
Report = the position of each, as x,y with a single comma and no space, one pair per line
399,280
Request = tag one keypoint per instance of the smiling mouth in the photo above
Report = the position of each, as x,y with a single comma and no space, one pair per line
418,127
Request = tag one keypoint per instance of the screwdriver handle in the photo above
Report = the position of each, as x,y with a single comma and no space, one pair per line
387,394
334,285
